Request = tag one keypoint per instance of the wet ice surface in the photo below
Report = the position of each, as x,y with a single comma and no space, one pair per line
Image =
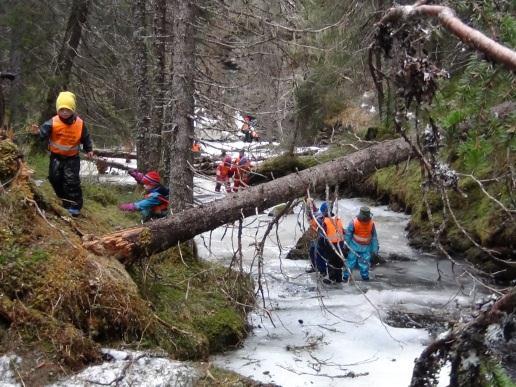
329,335
8,364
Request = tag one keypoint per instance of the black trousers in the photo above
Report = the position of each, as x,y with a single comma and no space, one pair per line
63,174
335,263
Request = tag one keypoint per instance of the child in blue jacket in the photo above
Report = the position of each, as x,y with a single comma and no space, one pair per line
155,202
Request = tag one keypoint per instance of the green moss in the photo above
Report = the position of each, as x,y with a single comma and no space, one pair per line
281,166
223,327
493,375
218,377
476,213
200,299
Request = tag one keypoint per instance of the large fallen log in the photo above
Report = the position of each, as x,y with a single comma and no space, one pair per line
130,244
115,154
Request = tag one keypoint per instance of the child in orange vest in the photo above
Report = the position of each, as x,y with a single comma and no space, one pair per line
223,173
331,244
65,132
362,240
240,170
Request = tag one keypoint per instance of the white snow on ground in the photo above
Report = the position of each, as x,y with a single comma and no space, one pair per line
8,364
134,369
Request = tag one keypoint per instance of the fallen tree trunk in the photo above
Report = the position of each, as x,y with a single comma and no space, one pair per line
104,164
130,244
115,154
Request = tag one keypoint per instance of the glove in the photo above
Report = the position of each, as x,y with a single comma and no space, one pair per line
129,207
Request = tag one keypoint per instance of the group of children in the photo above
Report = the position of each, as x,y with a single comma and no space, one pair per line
238,169
335,251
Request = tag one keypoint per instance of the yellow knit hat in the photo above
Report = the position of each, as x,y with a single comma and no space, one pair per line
65,99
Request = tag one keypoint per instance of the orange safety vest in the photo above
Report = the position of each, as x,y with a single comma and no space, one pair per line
65,139
196,148
162,207
222,170
334,229
363,231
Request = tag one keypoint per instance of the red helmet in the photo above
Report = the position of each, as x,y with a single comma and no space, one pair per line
151,178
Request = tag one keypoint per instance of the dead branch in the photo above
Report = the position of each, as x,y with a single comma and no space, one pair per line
453,24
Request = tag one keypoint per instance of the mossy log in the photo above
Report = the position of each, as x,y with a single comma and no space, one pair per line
132,244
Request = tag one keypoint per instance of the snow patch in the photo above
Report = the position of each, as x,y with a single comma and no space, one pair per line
129,368
7,373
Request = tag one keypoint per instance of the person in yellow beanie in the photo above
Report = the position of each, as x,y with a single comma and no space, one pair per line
65,132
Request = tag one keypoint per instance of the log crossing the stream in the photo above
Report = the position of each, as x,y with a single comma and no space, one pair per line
129,245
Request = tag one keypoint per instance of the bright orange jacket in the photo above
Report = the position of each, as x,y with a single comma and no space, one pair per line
222,170
65,139
363,231
334,229
196,148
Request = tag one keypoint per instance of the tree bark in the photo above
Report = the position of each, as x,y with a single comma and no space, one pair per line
146,158
132,244
453,24
181,175
69,50
117,154
159,25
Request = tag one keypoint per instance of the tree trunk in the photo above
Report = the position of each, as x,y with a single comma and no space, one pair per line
69,50
453,24
181,175
132,244
144,151
117,154
159,26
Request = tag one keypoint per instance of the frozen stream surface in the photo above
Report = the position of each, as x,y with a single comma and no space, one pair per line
338,335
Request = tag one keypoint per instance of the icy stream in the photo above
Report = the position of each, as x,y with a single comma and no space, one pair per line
339,335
